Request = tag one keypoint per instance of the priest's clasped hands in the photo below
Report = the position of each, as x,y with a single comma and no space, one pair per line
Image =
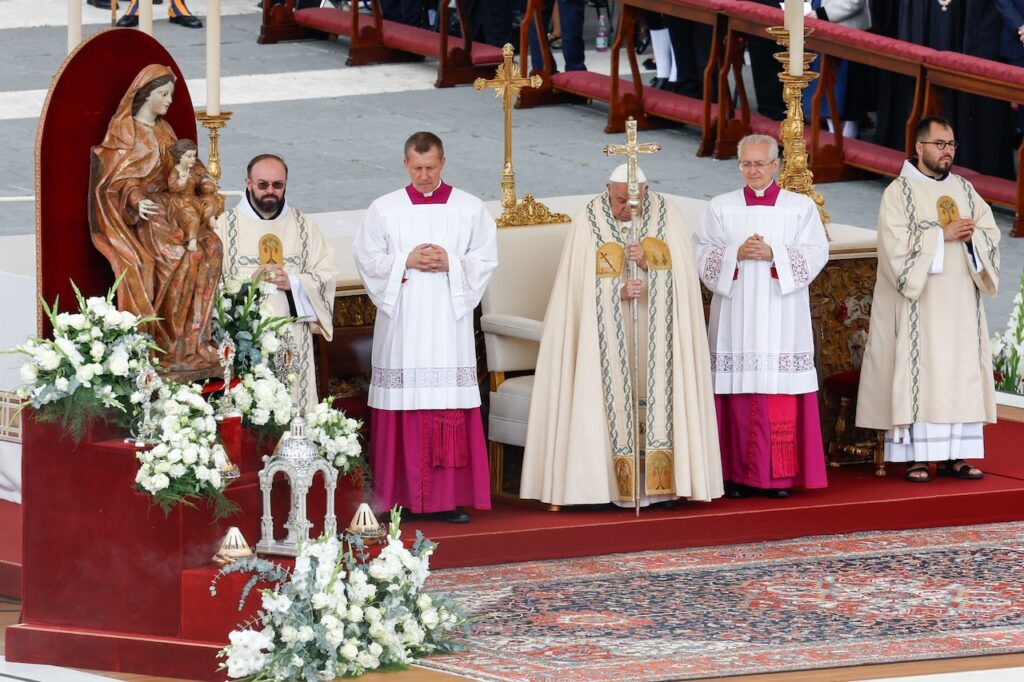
633,288
961,230
755,248
274,274
428,258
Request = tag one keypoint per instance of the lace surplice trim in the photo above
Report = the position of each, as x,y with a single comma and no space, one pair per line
713,266
762,362
424,377
798,266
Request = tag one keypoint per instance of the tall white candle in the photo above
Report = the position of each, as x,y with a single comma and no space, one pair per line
146,16
74,24
213,57
795,24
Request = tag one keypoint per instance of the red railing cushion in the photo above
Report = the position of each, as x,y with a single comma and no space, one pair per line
328,20
586,83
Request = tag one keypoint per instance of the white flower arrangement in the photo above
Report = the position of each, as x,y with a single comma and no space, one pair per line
89,366
263,399
243,312
337,614
336,435
188,460
1008,348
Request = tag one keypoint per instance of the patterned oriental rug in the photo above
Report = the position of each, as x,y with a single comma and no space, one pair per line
816,602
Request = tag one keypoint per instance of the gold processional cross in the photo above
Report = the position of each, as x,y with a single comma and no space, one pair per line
630,466
507,83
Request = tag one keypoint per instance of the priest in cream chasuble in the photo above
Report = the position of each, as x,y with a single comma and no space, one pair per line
579,445
264,234
425,253
927,373
758,249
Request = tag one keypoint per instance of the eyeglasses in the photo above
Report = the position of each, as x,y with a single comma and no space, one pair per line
942,144
263,184
751,165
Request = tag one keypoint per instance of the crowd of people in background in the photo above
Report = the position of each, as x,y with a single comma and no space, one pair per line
874,104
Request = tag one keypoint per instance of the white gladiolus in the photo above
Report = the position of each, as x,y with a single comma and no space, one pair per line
29,373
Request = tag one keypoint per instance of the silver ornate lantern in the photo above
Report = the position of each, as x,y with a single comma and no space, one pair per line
298,458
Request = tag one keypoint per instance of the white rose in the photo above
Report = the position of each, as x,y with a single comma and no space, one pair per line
355,614
61,383
269,344
349,650
48,359
320,601
334,638
202,473
97,349
289,634
128,320
118,363
29,373
190,455
232,285
429,618
215,479
159,482
306,634
112,318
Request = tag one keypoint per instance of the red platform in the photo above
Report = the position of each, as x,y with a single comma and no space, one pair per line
112,584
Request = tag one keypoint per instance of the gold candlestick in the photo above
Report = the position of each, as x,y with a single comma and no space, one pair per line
795,174
214,123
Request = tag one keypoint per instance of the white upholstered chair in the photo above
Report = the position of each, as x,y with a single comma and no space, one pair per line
512,318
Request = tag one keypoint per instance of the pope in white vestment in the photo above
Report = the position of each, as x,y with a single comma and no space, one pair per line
579,447
425,254
263,233
758,249
927,376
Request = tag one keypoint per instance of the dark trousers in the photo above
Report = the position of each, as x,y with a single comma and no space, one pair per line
691,45
570,16
405,11
765,69
490,21
536,58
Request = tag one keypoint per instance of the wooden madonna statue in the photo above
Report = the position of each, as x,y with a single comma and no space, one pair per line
151,209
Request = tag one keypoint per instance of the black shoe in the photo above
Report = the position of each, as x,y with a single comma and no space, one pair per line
777,493
457,515
188,21
736,491
665,504
650,64
128,21
658,83
99,4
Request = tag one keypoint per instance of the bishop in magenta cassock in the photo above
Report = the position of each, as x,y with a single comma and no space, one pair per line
757,250
425,254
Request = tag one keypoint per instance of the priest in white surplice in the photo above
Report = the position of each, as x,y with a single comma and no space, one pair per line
579,448
758,249
263,234
426,253
927,373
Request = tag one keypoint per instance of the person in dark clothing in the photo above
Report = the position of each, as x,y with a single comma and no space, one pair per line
765,69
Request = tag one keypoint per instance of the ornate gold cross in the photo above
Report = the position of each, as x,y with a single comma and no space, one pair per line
507,82
631,149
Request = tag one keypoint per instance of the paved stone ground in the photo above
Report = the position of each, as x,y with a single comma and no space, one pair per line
345,149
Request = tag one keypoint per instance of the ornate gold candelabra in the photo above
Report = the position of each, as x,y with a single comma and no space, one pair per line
507,82
795,174
213,123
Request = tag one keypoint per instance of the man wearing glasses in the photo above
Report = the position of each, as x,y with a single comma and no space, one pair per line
757,250
927,373
266,239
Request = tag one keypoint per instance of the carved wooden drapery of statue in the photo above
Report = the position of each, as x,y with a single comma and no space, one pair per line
153,236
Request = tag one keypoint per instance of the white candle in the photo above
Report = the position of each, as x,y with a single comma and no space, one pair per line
146,16
213,57
795,24
74,24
